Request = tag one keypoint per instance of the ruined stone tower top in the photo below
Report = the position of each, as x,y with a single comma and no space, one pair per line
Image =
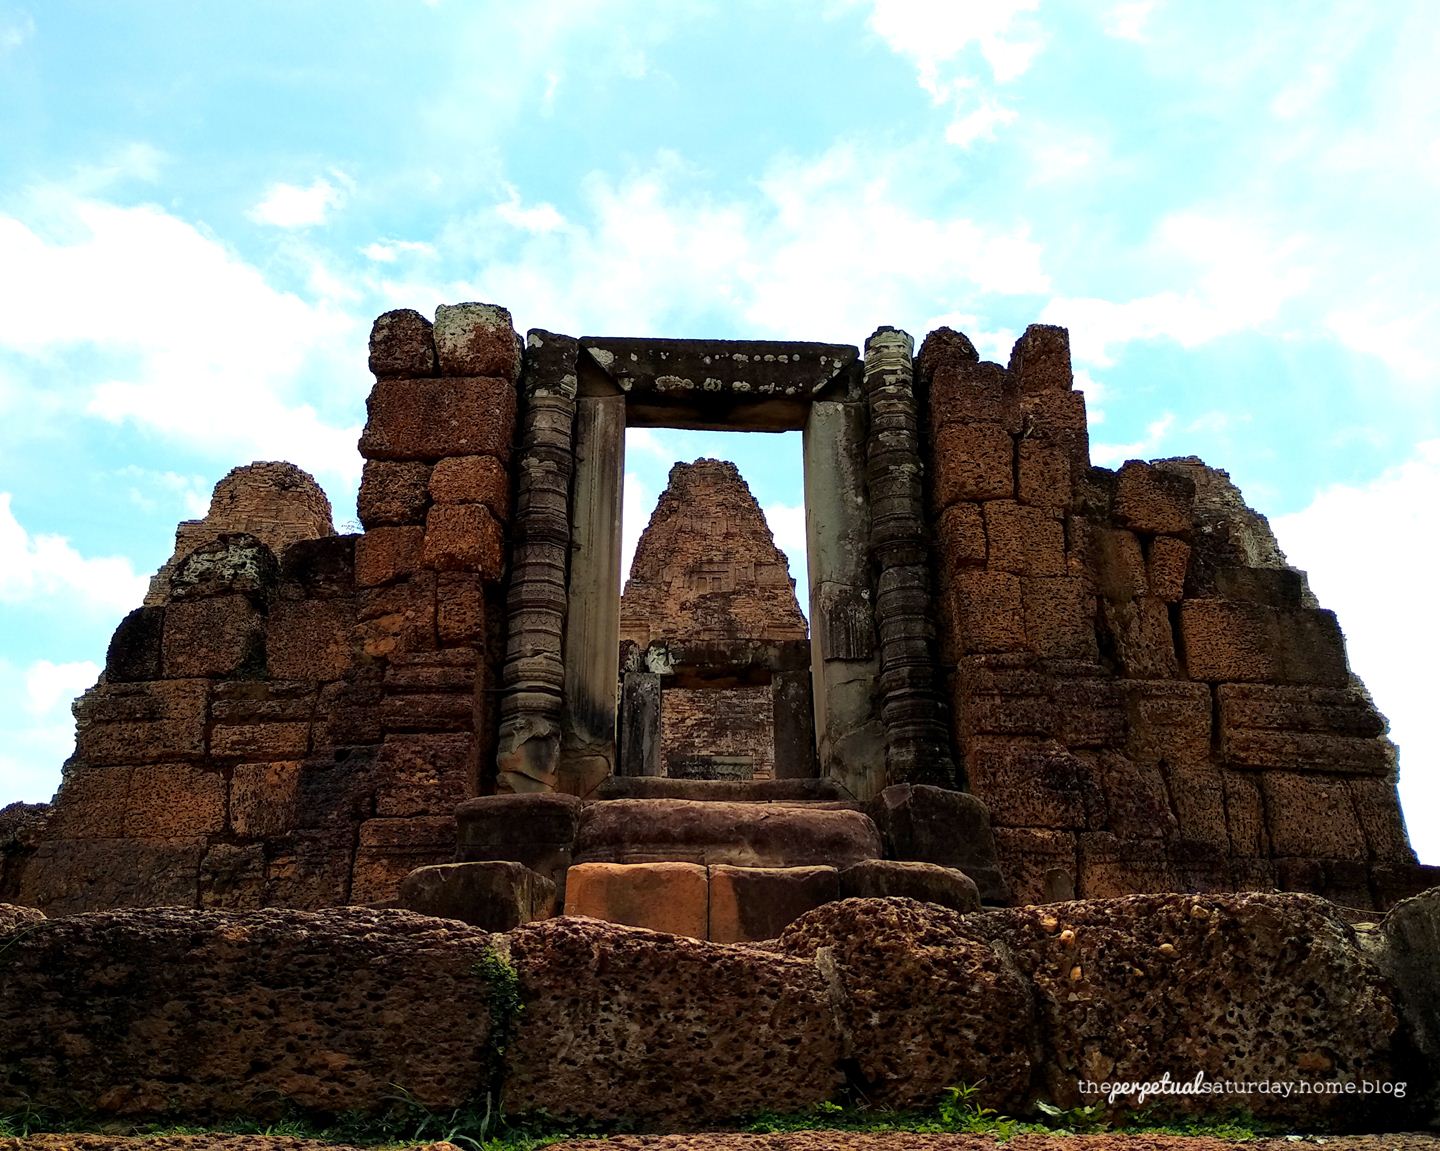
707,566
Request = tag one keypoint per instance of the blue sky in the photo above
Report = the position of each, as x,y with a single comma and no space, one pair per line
1233,207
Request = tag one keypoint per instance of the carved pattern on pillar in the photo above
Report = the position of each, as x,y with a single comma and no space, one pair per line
534,674
917,739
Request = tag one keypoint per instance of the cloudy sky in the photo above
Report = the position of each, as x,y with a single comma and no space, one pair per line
1233,206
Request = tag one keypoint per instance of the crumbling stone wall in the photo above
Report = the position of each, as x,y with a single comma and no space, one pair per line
274,501
293,716
1144,693
706,568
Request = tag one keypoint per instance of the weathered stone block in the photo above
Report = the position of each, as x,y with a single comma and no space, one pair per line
962,537
1114,865
1269,587
1090,712
1154,501
753,903
1311,816
1169,720
263,798
390,849
219,635
1310,728
1225,974
1031,784
422,774
432,419
384,555
472,480
398,618
948,828
1197,791
174,800
1041,864
973,462
437,711
476,340
91,804
393,493
496,895
1040,359
1166,565
232,876
312,868
1137,804
206,1008
402,344
1312,647
1117,563
135,649
464,537
709,1032
233,563
1378,809
662,896
1245,814
1023,540
1045,472
1226,641
973,393
141,722
910,879
1059,617
67,876
901,966
743,834
537,830
1141,638
256,742
986,613
460,608
319,569
310,639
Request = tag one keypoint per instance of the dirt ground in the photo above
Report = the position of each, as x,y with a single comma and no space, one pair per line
790,1141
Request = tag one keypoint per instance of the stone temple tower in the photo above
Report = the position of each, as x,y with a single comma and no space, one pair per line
707,573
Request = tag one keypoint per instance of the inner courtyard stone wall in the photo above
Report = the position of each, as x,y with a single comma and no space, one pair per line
1118,663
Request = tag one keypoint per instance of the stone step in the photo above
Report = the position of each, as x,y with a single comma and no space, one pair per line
714,832
722,790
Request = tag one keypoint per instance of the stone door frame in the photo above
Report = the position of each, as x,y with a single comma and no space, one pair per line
876,710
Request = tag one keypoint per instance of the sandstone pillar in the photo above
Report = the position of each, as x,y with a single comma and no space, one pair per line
793,707
917,741
640,725
592,633
528,756
844,662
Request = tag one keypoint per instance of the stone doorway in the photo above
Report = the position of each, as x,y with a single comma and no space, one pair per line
865,546
712,633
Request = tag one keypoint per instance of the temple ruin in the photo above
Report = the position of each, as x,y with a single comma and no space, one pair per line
1058,679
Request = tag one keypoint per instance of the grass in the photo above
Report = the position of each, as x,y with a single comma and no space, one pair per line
481,1128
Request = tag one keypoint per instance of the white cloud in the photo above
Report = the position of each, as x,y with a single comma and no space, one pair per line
1094,393
1370,550
37,733
787,525
293,206
1128,20
388,251
639,503
1147,447
197,345
812,257
647,441
980,123
540,218
15,30
49,686
934,32
1244,272
41,566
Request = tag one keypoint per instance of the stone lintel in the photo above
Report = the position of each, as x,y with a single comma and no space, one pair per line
722,385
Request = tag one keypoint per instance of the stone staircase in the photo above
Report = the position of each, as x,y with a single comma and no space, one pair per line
728,861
